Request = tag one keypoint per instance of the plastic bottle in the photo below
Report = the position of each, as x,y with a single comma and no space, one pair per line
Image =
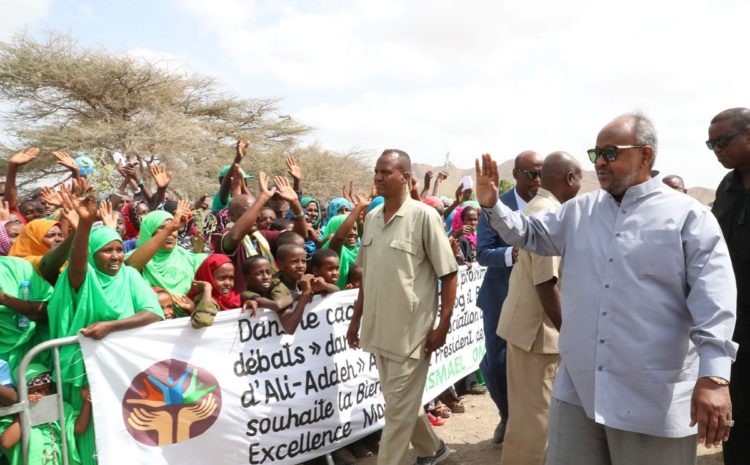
24,293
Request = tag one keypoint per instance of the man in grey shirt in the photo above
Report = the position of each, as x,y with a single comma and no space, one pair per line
648,309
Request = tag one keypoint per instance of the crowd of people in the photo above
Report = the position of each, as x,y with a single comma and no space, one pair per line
629,361
71,262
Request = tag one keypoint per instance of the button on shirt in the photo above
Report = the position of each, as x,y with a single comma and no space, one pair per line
648,303
402,261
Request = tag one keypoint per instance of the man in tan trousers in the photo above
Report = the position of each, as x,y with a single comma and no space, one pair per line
530,323
404,252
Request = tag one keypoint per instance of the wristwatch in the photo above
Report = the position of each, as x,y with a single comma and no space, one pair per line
717,380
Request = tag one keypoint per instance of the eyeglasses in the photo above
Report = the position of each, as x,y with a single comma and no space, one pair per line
721,141
609,152
531,174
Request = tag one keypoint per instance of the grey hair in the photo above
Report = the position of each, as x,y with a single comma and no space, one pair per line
644,131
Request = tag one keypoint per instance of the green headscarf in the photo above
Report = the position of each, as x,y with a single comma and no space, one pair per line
101,297
14,342
174,269
307,200
347,255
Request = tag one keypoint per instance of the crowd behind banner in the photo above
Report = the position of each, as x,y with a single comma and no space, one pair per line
74,261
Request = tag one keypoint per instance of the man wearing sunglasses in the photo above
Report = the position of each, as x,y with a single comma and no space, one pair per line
729,139
648,309
499,257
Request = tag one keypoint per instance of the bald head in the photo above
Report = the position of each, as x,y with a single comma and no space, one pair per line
561,175
527,171
239,205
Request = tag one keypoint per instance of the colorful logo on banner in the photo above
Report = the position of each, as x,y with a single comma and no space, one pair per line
170,402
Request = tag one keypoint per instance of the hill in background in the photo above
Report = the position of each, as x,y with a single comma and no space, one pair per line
588,184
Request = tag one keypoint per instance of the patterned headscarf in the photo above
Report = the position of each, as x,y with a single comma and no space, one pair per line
4,239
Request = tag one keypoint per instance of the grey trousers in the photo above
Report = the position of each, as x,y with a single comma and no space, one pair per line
575,439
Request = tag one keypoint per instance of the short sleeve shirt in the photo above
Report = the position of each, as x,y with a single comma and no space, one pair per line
402,261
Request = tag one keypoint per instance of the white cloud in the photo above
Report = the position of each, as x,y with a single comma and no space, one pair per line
492,76
17,15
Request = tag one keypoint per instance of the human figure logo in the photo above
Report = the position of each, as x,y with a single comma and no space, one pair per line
170,402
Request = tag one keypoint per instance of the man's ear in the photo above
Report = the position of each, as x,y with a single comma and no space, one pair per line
406,177
648,156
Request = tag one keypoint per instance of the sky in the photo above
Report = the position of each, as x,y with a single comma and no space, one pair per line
436,77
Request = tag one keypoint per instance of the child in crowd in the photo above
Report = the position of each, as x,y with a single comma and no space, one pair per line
266,217
325,267
166,302
45,441
279,292
464,229
281,224
354,280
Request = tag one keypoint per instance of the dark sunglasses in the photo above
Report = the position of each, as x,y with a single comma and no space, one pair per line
721,141
531,174
609,152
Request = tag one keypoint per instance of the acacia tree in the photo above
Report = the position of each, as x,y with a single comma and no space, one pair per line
88,100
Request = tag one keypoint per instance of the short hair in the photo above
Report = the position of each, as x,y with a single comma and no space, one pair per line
289,237
740,118
250,262
320,255
404,161
285,249
675,177
644,131
353,270
280,224
467,209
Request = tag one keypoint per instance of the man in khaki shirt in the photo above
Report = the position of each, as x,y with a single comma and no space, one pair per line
530,323
404,252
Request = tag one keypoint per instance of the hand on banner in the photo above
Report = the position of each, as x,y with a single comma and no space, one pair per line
97,330
250,304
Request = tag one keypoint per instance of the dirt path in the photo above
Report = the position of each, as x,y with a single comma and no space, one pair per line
469,436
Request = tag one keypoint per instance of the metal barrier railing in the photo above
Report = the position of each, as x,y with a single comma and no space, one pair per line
26,410
32,415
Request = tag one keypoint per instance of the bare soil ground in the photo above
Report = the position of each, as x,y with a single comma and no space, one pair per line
469,435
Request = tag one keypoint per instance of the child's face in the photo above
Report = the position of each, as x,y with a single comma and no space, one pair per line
41,390
471,219
294,264
328,270
265,218
355,278
259,277
224,277
167,305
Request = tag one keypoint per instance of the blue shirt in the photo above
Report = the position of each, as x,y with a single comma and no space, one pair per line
648,303
5,378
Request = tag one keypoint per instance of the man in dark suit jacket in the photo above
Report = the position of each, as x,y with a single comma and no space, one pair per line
498,257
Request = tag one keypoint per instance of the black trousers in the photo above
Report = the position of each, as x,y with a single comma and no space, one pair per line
737,449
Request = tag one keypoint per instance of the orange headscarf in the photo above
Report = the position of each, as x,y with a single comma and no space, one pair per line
29,244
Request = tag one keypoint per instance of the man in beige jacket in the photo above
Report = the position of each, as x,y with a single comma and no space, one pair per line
530,323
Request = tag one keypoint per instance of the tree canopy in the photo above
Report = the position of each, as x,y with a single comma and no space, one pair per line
93,102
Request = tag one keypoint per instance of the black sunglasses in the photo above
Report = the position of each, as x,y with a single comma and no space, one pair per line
531,174
721,141
609,152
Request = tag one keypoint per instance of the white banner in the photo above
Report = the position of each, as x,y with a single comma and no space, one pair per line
242,391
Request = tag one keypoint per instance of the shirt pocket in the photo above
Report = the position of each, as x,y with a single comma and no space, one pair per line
655,253
402,259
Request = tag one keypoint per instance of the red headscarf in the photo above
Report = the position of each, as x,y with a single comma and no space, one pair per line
205,272
131,230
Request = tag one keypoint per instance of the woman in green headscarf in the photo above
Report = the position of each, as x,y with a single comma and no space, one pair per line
95,295
163,263
311,207
19,334
45,440
345,238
